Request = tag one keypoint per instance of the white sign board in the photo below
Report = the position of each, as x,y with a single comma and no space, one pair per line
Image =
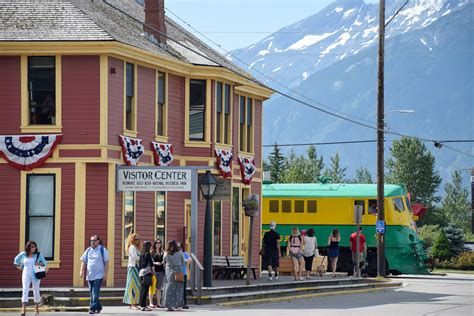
153,179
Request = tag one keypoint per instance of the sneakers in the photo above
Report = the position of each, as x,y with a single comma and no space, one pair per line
270,278
276,276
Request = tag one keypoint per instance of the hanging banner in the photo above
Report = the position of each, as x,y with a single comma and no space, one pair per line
134,178
26,152
163,153
247,169
224,162
132,150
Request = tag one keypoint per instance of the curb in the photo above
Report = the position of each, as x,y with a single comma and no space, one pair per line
46,309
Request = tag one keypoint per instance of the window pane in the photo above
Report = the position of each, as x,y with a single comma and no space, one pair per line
42,90
242,110
398,204
249,139
160,216
41,230
197,106
249,112
372,206
274,206
40,195
218,127
226,128
286,206
130,78
312,206
299,206
235,221
217,227
219,97
161,88
361,203
227,99
160,119
129,113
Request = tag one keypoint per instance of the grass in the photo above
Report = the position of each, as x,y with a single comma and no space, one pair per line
454,271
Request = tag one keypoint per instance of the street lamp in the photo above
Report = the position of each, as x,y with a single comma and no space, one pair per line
207,184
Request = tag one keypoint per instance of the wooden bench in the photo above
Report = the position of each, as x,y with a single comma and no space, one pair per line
238,269
286,265
219,265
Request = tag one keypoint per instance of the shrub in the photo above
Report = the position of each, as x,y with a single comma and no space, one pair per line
428,234
442,247
464,261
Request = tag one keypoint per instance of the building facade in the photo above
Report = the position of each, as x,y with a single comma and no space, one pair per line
85,73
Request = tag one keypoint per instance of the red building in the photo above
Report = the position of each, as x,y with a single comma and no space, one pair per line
91,71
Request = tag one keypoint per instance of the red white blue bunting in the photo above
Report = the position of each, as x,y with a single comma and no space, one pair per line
132,149
163,153
26,152
224,162
247,169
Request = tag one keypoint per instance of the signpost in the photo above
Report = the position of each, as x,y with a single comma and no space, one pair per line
380,227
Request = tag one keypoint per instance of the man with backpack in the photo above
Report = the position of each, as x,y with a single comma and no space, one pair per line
96,259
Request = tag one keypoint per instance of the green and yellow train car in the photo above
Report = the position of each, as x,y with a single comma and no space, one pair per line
324,207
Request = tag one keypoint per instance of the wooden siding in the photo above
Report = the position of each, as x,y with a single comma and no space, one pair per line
10,90
120,273
80,99
176,112
115,107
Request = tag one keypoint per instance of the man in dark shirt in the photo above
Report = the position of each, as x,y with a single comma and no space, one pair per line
271,246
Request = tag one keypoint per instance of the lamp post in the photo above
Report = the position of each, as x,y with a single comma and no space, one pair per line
207,184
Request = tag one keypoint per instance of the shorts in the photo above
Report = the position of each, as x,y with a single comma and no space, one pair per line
273,260
297,255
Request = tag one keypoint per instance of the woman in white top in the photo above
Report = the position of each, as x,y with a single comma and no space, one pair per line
132,287
310,246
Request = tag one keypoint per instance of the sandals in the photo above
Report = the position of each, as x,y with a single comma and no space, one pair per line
145,309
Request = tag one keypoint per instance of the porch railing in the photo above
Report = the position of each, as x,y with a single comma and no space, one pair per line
197,272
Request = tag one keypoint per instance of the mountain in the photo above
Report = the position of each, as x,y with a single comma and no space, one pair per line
331,57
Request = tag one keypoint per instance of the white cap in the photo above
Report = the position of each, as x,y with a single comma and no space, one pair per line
273,225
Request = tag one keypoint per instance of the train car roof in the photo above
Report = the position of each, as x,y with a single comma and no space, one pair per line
301,190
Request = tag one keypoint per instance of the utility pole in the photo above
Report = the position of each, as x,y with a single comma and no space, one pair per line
380,141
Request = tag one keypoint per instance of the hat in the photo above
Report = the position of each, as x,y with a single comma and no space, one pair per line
303,232
273,225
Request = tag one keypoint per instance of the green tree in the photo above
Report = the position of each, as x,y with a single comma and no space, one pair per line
335,171
455,204
299,169
362,176
276,164
412,164
455,236
442,247
428,233
315,165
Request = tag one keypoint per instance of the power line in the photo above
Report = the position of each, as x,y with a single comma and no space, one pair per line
396,13
441,142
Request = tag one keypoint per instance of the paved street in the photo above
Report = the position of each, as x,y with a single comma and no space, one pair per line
432,295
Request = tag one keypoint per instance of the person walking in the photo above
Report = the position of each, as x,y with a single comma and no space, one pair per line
333,249
309,250
25,262
157,255
174,278
296,244
271,250
146,272
96,260
132,286
362,248
187,261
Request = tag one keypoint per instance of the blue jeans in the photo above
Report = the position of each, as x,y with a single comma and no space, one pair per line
94,288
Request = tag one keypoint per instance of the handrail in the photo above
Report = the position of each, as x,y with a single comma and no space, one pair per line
197,272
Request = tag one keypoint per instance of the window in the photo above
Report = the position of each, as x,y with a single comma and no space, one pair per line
373,207
40,214
299,206
197,110
235,221
398,204
361,203
42,90
274,206
161,104
286,206
249,125
312,206
130,97
217,227
160,209
242,124
128,216
222,113
246,124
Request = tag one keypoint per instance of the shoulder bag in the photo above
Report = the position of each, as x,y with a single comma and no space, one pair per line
40,272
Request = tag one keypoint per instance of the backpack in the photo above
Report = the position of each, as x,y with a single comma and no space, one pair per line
101,253
291,239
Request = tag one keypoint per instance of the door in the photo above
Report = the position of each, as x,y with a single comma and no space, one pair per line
187,225
245,223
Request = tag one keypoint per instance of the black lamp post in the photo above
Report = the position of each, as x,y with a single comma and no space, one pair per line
207,184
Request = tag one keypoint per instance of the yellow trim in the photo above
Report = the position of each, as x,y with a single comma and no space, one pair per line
56,262
111,224
164,137
104,95
133,132
25,113
79,220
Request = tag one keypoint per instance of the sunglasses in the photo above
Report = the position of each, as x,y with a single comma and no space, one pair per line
93,240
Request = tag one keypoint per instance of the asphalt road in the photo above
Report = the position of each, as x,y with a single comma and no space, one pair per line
432,295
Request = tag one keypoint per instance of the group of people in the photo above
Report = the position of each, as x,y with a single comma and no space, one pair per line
152,271
303,247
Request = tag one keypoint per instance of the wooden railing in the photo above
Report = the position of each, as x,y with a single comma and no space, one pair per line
197,272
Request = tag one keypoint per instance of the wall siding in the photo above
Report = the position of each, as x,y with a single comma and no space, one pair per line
115,97
10,90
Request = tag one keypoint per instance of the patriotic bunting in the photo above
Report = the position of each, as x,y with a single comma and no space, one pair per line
26,152
132,149
163,153
247,169
224,162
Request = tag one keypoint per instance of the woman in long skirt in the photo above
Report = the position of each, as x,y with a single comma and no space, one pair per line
173,261
132,287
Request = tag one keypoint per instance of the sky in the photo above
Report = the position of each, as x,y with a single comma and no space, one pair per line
239,23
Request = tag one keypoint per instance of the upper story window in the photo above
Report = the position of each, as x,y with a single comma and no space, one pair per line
161,104
246,124
223,110
42,90
197,110
130,97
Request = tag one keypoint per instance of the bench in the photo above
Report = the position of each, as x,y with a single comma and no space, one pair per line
286,265
219,265
237,263
232,267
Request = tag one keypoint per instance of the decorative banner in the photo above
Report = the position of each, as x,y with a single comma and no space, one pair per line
247,169
163,153
26,152
224,162
132,149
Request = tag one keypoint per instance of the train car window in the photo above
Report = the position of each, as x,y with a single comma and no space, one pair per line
373,207
286,206
299,206
398,204
312,206
362,203
407,202
274,206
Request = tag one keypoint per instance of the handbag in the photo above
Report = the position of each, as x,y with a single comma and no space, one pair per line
179,276
40,272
